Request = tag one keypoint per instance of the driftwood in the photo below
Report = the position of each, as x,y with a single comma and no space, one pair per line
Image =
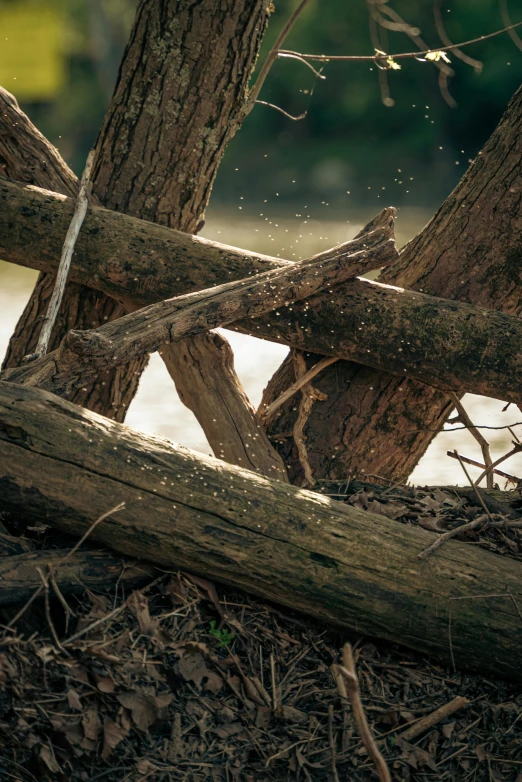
19,576
183,510
84,354
447,344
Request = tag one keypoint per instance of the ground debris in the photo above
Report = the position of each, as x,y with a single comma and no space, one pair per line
171,688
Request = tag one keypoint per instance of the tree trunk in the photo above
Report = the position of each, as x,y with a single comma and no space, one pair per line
180,97
66,466
470,251
448,344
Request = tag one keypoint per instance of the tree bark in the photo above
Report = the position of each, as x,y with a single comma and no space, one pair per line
448,344
470,251
72,574
84,355
180,97
67,466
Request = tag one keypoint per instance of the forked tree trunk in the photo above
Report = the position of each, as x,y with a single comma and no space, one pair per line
471,251
180,97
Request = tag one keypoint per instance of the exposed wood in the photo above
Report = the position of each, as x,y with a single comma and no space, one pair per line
330,560
445,343
235,434
19,576
471,251
83,355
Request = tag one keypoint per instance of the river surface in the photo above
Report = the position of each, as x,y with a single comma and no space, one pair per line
157,408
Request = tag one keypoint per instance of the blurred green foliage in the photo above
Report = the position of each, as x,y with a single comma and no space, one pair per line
409,154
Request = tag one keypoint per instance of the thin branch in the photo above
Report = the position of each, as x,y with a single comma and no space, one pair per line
305,62
444,37
502,4
401,55
516,449
265,413
308,396
347,671
438,542
273,55
278,108
481,440
75,225
506,475
474,487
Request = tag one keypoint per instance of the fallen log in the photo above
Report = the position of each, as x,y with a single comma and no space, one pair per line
83,355
19,576
345,566
447,344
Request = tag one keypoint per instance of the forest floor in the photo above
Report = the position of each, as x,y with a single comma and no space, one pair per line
185,680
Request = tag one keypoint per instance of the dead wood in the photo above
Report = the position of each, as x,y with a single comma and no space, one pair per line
332,561
19,576
448,344
470,252
83,355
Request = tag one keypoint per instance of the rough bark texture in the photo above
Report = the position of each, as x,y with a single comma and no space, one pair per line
179,99
445,343
27,156
83,355
470,251
80,571
67,466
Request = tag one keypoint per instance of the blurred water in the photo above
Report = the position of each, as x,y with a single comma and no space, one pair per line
157,408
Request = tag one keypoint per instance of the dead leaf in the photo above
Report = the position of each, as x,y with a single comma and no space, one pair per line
448,729
47,755
112,735
105,683
91,724
73,699
145,709
139,605
193,668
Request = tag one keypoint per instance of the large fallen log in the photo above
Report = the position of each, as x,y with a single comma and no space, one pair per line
183,510
448,344
84,355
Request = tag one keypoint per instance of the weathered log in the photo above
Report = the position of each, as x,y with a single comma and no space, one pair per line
470,251
447,344
332,561
72,573
83,355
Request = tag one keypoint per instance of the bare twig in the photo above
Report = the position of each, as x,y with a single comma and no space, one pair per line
331,741
347,670
401,55
517,448
474,487
295,117
75,225
273,55
84,537
506,475
435,717
265,413
341,687
481,440
308,396
451,534
439,24
502,4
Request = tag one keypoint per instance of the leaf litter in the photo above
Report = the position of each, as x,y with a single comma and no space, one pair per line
186,680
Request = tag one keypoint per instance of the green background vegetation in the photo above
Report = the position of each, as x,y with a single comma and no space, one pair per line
349,141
